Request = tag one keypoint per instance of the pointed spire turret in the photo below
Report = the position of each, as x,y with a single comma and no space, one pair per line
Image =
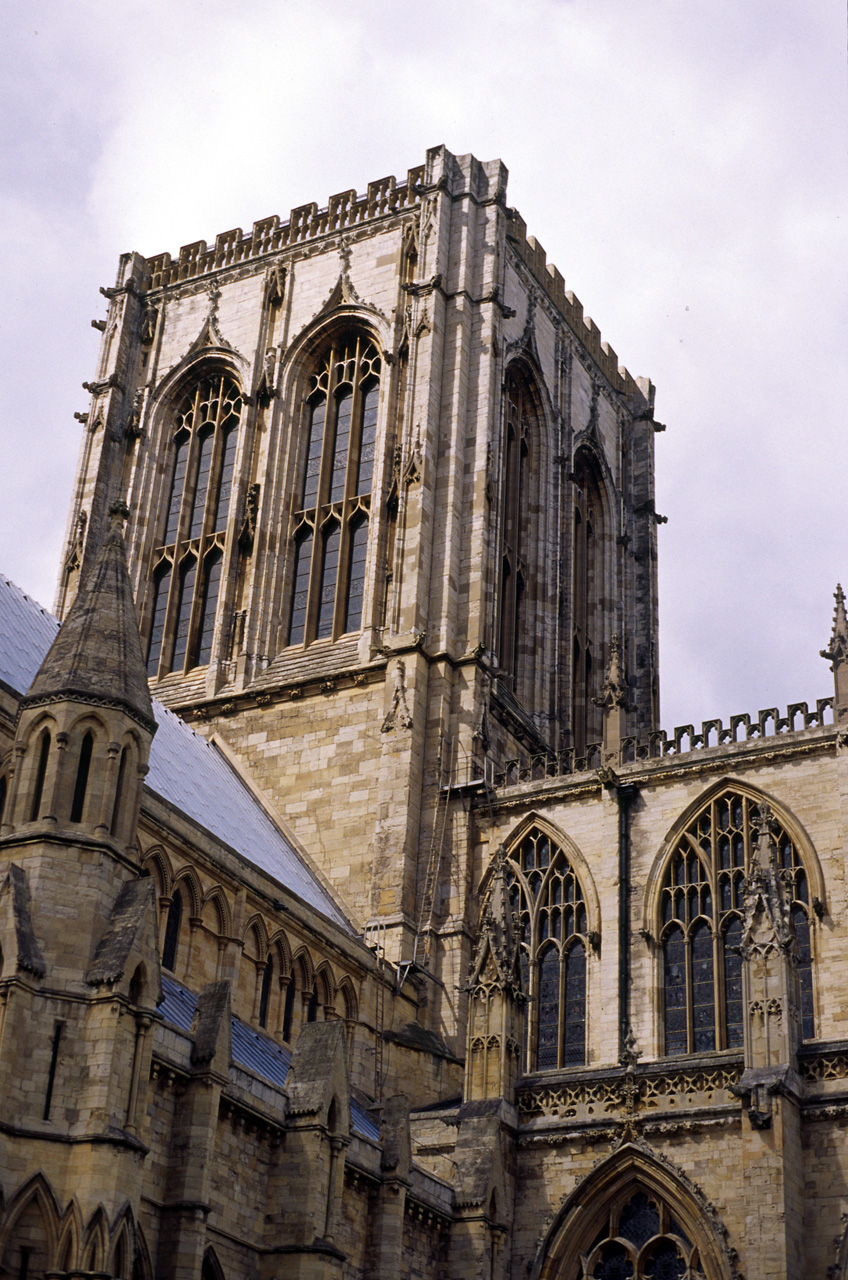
86,723
96,657
837,655
615,702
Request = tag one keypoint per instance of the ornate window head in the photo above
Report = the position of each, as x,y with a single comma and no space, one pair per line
187,573
548,900
701,905
333,499
641,1239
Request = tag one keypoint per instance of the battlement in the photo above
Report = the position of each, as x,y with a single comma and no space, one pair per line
347,209
546,274
682,741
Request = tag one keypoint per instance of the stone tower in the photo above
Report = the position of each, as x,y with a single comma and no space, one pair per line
78,929
393,500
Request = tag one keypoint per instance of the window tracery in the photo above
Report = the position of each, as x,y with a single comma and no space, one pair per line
640,1240
701,904
330,531
187,575
547,898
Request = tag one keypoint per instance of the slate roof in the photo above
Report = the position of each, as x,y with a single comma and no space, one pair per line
97,652
186,769
252,1051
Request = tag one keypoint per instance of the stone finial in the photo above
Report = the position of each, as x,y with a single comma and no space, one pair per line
614,700
614,688
837,655
119,512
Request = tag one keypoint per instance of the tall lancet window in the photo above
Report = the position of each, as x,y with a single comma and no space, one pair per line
546,895
515,642
188,563
587,604
701,911
333,501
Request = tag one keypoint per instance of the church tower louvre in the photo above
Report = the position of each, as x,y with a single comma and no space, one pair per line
393,499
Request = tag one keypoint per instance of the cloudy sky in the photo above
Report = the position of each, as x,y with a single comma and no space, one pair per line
683,164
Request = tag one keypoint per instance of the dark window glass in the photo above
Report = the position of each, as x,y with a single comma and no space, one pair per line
181,445
801,923
40,774
329,574
160,611
574,1052
81,785
204,466
211,589
548,902
302,564
338,472
703,990
639,1220
2,797
368,440
317,420
356,574
288,1011
225,479
702,895
265,992
674,964
733,1020
188,574
172,931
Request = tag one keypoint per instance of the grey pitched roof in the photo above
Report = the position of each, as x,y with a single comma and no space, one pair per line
26,633
96,654
185,769
252,1051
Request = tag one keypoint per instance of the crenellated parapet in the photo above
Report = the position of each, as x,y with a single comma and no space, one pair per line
306,222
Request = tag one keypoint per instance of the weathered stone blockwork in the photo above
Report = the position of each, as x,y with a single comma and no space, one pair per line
427,953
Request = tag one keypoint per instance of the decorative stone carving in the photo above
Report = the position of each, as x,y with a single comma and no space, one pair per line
398,714
837,655
247,533
149,320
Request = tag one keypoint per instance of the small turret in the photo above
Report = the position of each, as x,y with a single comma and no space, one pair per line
86,723
837,655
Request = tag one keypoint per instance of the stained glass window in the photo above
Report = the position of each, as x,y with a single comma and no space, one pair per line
548,901
641,1240
701,911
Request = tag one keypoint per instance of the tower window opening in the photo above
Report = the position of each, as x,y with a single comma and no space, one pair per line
40,774
330,533
184,604
81,785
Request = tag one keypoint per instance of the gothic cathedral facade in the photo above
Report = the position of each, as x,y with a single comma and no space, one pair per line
357,918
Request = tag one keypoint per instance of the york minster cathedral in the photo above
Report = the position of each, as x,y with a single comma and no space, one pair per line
358,919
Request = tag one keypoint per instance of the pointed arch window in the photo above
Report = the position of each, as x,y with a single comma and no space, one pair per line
546,895
81,784
40,774
515,532
265,991
330,534
641,1239
701,905
203,454
587,598
172,931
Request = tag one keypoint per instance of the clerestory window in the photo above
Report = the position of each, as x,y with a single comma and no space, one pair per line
333,503
546,896
187,573
587,602
701,908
